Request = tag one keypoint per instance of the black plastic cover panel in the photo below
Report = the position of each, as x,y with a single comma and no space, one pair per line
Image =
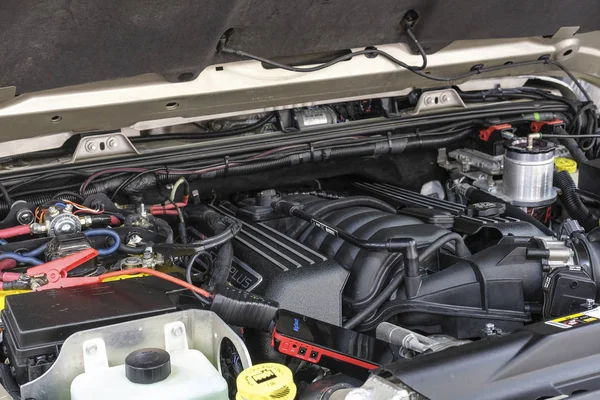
540,361
54,43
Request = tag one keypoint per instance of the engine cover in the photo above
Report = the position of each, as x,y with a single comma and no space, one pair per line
300,279
368,269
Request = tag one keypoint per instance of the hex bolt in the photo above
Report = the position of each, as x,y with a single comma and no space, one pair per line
489,327
53,211
91,349
112,143
177,331
91,146
25,216
590,303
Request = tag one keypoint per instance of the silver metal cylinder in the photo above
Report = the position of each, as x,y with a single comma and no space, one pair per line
527,178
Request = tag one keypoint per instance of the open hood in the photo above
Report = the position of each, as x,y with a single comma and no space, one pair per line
55,43
86,66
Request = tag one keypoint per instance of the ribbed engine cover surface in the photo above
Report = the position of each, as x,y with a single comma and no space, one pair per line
368,268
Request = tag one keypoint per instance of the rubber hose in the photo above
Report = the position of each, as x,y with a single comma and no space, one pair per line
479,196
218,224
188,275
461,251
574,149
328,206
434,142
105,232
376,303
7,198
461,248
164,229
20,258
182,232
394,146
572,202
36,252
131,250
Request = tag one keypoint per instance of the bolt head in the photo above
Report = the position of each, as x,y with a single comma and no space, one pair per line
91,146
177,331
25,216
444,98
590,303
53,211
112,143
429,100
490,327
91,349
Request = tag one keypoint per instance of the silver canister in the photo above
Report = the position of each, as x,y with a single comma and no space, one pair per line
527,177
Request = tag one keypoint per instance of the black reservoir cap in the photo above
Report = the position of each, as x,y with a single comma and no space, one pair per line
148,366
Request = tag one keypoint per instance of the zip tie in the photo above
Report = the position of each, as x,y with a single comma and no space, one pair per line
226,171
312,152
389,140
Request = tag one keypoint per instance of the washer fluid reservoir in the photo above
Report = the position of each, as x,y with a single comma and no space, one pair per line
176,374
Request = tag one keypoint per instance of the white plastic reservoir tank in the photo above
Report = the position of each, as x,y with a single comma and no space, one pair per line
176,373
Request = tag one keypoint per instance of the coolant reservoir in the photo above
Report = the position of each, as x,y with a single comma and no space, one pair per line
176,374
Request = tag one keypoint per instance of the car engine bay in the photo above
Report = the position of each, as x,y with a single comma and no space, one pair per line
361,247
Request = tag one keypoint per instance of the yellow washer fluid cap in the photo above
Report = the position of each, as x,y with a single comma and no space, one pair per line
268,381
565,164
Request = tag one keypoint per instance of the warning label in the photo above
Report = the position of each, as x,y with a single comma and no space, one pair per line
574,320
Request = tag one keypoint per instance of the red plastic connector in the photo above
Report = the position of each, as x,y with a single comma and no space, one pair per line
56,271
546,127
485,134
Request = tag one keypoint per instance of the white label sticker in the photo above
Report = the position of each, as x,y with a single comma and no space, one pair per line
593,313
579,319
314,119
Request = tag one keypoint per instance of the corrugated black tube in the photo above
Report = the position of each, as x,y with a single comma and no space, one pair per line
572,202
218,224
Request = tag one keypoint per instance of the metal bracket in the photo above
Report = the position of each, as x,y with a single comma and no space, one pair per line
204,331
175,337
438,100
473,164
94,355
100,146
473,160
